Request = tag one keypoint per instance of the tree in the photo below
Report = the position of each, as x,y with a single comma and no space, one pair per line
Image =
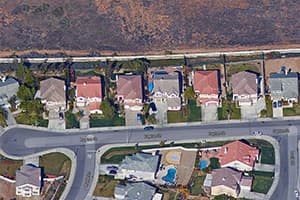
214,163
189,93
108,109
20,72
24,93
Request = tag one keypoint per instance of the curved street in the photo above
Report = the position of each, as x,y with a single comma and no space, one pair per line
21,142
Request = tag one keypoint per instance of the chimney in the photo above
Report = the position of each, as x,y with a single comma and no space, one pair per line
225,150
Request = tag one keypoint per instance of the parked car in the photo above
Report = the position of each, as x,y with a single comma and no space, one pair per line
257,133
148,128
139,117
274,104
61,115
296,193
279,103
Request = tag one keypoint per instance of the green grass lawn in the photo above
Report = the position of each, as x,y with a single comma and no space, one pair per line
262,184
235,113
105,186
56,164
71,120
170,62
294,111
99,121
24,118
9,167
267,152
189,113
269,111
196,186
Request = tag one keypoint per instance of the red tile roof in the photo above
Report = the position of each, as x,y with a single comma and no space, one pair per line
130,86
206,82
89,86
238,151
94,106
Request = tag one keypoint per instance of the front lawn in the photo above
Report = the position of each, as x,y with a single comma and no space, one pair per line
196,186
25,118
105,186
294,111
71,120
189,113
56,164
262,184
269,110
9,167
100,121
267,152
229,108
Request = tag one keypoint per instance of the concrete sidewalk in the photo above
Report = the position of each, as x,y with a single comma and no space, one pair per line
264,167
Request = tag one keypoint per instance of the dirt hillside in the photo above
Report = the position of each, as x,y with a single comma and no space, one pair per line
147,25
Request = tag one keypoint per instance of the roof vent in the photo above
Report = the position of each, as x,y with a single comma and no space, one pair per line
223,179
3,79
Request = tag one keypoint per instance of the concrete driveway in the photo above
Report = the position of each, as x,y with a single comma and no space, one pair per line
131,117
55,122
253,111
209,113
162,109
248,112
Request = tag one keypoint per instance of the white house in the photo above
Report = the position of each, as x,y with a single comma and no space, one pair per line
167,89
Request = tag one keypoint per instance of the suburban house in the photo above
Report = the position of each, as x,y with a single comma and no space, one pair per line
238,155
136,191
167,88
89,93
28,181
130,91
245,87
53,94
207,86
8,88
225,181
285,85
139,167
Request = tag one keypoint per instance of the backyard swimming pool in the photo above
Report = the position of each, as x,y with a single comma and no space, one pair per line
203,164
170,177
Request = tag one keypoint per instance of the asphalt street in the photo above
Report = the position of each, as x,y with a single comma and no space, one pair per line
21,142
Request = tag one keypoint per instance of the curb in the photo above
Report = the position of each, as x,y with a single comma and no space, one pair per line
269,139
70,154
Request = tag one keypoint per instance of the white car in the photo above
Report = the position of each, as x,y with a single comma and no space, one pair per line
257,133
296,193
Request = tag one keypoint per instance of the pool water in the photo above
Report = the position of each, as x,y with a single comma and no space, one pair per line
170,177
203,164
150,87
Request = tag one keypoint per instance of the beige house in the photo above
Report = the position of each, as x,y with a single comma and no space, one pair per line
28,181
53,94
130,91
245,87
225,181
